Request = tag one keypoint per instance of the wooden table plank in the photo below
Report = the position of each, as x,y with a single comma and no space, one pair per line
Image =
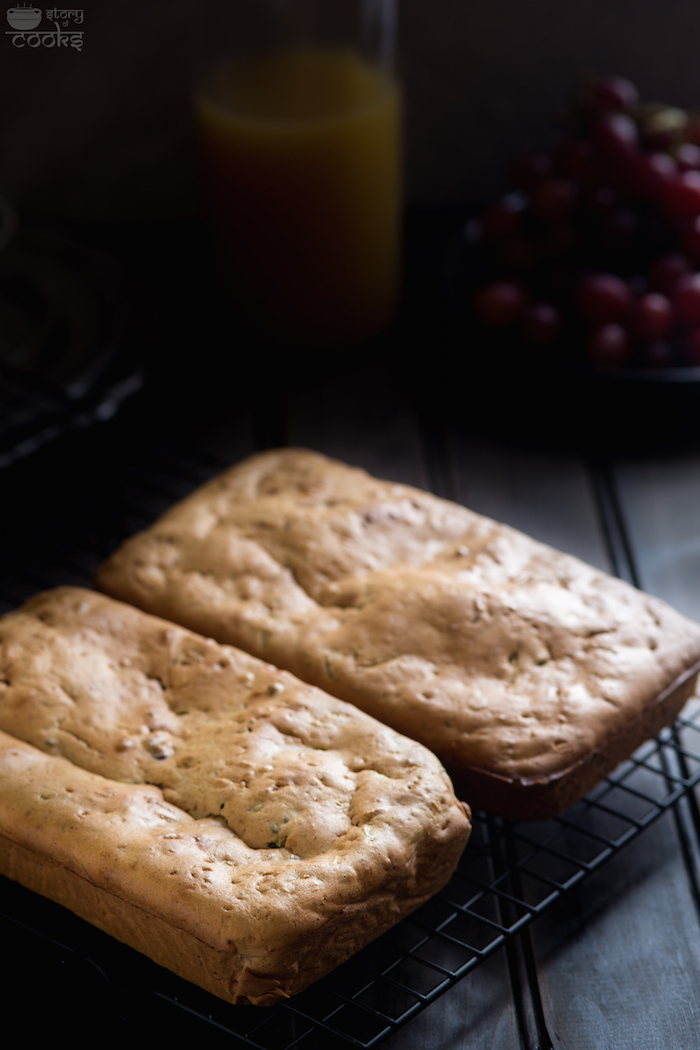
368,425
477,1014
547,496
617,965
660,501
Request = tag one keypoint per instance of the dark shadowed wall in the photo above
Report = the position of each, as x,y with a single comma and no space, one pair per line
104,132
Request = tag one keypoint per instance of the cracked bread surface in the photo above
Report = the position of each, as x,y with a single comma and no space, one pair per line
529,673
235,824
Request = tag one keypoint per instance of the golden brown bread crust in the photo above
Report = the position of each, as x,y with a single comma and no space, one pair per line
529,673
233,823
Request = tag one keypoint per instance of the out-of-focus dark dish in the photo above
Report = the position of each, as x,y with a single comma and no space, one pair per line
67,356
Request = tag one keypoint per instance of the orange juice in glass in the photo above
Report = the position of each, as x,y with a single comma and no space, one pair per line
300,153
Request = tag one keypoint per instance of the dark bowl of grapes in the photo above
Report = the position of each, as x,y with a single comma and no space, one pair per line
579,289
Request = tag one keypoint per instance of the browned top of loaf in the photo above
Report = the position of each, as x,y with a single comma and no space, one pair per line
498,652
206,786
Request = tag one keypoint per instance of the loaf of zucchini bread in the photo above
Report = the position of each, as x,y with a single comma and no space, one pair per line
238,826
530,674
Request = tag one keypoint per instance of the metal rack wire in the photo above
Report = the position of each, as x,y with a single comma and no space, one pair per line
509,875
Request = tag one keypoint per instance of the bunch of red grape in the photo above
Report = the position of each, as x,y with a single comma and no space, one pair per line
596,247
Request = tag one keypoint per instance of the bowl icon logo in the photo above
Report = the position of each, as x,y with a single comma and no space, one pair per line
24,18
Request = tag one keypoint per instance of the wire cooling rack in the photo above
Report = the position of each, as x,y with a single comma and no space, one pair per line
509,874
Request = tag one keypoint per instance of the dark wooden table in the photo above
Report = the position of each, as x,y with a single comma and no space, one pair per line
616,962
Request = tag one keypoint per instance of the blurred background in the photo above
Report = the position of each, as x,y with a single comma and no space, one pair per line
104,133
99,139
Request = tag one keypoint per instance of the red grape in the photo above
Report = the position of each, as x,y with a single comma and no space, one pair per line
666,270
650,174
603,298
609,345
681,195
663,126
541,324
499,304
652,316
686,298
619,195
614,93
616,136
688,156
